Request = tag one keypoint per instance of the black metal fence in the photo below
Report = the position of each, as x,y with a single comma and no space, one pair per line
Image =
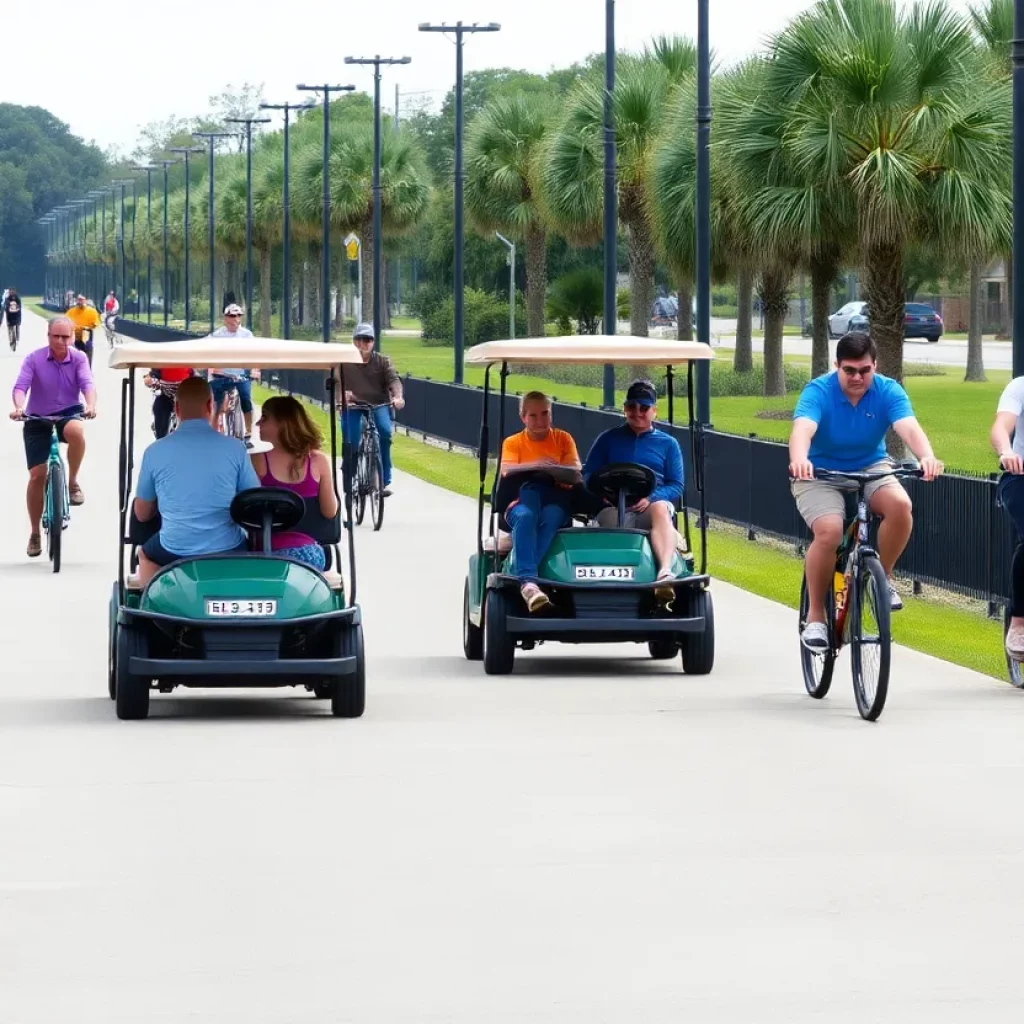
141,330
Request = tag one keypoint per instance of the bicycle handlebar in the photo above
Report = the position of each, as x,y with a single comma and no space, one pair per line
366,405
866,478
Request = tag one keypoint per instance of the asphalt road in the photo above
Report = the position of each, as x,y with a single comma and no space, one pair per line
597,838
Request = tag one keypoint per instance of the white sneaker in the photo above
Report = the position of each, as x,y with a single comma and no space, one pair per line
815,636
894,597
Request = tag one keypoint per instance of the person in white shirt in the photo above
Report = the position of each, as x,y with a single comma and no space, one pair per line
222,381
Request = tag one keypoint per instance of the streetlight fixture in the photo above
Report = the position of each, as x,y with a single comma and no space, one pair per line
248,122
460,31
378,231
511,246
166,276
286,227
325,244
703,210
211,137
149,169
187,151
611,201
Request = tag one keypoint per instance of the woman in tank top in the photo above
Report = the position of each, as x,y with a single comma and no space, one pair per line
296,463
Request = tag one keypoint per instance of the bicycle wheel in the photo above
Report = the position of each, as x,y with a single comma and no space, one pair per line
360,483
376,477
1014,668
236,421
54,500
818,665
870,639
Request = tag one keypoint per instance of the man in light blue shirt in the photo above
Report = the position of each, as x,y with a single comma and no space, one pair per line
191,477
839,423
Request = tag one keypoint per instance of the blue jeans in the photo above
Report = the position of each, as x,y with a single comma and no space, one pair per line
220,386
535,519
351,430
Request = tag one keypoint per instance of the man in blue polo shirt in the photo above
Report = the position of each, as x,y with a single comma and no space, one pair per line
840,423
191,477
640,442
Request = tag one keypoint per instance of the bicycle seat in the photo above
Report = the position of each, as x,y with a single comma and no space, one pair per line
267,509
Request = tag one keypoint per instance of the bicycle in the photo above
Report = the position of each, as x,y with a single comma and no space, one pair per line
110,330
369,469
859,586
57,496
172,420
231,421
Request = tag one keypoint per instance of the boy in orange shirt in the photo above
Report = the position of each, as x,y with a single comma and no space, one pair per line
542,507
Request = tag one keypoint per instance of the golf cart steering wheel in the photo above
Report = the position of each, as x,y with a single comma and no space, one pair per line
267,509
622,484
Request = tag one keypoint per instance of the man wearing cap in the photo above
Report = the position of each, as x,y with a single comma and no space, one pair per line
222,381
639,442
84,317
374,383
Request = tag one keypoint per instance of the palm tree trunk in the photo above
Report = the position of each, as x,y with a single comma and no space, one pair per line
883,286
385,310
266,299
366,256
684,323
975,351
641,277
536,280
821,277
743,357
774,285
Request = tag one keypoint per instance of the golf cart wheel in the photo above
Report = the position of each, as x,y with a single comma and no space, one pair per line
348,693
131,694
499,644
664,648
472,636
323,691
699,648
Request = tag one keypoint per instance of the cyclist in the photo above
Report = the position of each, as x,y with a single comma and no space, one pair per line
166,381
111,307
56,379
376,382
222,381
11,309
84,316
839,423
1009,422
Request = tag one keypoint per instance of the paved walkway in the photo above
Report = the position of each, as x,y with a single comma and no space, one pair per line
594,839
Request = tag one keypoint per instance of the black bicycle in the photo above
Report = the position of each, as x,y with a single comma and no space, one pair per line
858,606
369,469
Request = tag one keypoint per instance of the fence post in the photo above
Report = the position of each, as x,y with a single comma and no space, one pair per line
751,534
993,609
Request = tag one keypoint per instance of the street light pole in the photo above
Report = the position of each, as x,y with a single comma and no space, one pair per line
460,31
149,169
511,246
703,210
122,183
378,231
325,243
1018,187
286,227
248,122
611,201
187,151
166,285
210,137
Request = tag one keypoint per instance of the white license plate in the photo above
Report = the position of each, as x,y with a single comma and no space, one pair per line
241,609
604,572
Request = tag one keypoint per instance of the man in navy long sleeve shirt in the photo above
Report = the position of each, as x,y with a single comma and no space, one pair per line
640,442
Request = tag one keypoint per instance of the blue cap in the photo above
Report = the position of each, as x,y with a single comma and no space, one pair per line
642,393
363,331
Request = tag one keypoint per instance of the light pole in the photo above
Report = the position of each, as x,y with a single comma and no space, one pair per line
248,122
210,137
460,31
611,200
286,227
325,244
1017,47
166,283
122,184
135,258
187,151
378,231
703,210
149,169
511,246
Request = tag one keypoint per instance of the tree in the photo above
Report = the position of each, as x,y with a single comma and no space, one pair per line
578,296
231,102
502,185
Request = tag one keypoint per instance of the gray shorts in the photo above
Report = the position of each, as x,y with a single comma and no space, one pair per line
817,498
609,517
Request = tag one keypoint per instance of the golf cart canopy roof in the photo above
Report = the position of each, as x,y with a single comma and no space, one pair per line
225,353
590,349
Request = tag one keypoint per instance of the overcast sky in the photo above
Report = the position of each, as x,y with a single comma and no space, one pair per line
151,61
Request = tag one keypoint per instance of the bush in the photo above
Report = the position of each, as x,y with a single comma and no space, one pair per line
485,318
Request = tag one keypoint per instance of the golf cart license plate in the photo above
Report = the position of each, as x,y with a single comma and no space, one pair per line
604,572
241,609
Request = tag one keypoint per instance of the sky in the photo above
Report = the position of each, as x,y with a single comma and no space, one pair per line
152,61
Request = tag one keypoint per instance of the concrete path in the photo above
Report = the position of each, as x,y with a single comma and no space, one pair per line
597,838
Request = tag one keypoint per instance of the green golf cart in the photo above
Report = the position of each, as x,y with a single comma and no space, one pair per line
601,581
254,619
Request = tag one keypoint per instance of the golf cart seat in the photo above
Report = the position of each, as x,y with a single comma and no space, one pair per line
507,488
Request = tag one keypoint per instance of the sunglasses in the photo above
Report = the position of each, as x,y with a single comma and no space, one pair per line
858,371
233,316
637,405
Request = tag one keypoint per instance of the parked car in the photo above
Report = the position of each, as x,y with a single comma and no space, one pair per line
839,321
919,321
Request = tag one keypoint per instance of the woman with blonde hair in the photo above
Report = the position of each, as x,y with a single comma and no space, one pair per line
297,464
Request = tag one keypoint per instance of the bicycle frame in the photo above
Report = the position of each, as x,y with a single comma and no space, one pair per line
49,499
855,545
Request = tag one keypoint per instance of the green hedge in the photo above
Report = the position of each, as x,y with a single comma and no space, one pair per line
485,318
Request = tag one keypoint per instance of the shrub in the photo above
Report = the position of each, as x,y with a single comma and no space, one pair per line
485,318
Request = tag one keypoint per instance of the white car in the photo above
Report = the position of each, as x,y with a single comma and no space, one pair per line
839,322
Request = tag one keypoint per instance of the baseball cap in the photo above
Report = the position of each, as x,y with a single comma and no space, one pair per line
233,310
642,393
363,331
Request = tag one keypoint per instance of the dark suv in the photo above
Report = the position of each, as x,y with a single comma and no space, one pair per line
919,321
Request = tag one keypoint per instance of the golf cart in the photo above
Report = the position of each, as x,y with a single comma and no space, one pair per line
254,619
601,581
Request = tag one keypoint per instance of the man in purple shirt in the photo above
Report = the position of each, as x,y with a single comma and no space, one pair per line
55,379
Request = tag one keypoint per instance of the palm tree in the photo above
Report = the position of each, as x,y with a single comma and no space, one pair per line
502,185
887,110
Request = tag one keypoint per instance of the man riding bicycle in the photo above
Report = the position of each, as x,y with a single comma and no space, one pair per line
111,307
55,379
839,424
223,382
374,383
84,317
